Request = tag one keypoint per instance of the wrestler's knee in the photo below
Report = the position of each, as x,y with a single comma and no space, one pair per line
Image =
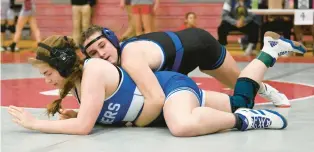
181,128
244,94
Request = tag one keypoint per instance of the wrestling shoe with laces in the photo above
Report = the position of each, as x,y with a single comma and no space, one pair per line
277,98
276,46
260,119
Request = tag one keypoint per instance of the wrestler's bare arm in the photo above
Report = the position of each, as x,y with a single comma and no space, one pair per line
137,66
92,97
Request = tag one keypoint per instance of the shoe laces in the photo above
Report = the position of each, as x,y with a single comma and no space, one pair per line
260,122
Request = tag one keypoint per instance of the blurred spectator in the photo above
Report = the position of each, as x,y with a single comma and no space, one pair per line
27,15
277,23
299,31
235,17
130,32
154,15
81,16
92,4
189,21
7,20
244,40
142,11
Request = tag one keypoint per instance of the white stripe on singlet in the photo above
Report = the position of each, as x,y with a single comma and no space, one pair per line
135,107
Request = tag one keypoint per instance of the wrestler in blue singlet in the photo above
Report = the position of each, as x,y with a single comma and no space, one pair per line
126,103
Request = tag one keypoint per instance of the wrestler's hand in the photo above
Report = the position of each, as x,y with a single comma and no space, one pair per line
240,23
67,114
22,117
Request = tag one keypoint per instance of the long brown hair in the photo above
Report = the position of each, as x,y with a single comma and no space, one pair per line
76,74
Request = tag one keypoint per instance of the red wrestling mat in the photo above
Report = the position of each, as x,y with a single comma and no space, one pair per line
35,93
22,56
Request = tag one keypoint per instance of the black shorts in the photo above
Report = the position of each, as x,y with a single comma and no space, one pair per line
198,48
201,50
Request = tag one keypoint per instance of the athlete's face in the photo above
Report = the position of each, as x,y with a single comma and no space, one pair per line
51,75
102,48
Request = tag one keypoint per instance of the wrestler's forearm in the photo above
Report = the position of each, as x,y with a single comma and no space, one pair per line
148,85
67,126
145,79
139,69
153,95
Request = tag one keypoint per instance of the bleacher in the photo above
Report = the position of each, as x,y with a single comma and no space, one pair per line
58,19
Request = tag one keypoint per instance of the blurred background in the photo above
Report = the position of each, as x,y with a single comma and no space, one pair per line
237,24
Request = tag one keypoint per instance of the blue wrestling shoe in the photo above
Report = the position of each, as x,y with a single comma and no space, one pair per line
258,119
276,46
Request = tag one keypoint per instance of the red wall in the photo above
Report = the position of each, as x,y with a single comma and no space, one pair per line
57,18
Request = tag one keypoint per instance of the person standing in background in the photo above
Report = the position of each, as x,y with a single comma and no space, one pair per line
142,11
130,32
92,4
27,15
7,20
154,14
81,16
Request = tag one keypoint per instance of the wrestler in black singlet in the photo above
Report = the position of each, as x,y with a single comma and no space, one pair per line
197,48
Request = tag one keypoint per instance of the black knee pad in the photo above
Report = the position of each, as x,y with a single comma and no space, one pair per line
3,28
11,28
244,94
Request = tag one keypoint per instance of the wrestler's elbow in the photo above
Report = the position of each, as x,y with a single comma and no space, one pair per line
160,99
84,132
157,100
155,95
84,129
